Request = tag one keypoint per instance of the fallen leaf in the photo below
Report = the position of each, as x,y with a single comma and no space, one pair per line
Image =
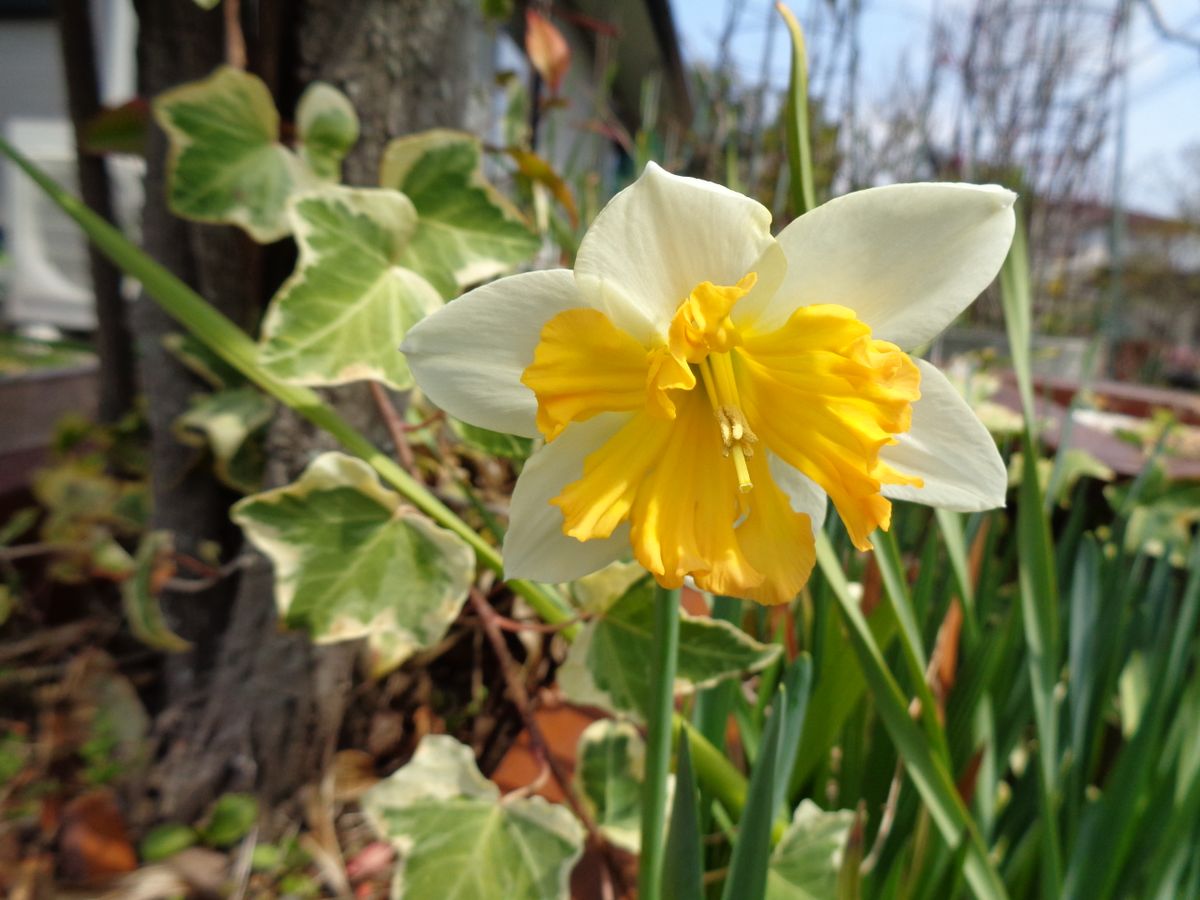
374,859
353,774
93,843
561,726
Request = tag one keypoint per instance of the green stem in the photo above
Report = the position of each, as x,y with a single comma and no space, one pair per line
658,739
234,346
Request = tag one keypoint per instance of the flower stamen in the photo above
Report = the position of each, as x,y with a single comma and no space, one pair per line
736,436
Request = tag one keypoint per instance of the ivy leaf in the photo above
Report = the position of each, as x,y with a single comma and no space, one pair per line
806,862
459,839
493,443
351,561
346,308
202,361
226,164
232,423
606,665
467,231
327,126
610,768
139,593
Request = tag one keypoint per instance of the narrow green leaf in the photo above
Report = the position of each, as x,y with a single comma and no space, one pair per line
683,867
347,307
467,231
457,838
928,773
799,149
895,589
747,878
226,164
793,705
352,561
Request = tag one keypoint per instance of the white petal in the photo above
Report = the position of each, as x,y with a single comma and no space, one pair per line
950,449
804,494
469,355
658,239
906,258
535,546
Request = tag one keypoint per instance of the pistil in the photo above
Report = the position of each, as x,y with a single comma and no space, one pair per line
719,383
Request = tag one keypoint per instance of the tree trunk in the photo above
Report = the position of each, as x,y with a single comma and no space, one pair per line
113,344
266,716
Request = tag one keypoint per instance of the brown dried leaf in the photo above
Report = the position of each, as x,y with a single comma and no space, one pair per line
547,49
93,843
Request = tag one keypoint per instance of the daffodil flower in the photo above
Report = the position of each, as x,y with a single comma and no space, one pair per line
702,387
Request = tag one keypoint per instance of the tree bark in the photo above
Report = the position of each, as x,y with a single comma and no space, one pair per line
179,42
114,346
268,718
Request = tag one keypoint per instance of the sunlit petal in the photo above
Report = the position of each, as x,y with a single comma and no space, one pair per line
907,258
658,239
469,356
535,546
949,449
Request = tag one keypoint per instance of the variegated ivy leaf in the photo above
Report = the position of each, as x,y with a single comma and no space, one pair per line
232,423
139,594
327,127
468,231
610,769
806,862
460,840
346,308
606,665
351,561
226,164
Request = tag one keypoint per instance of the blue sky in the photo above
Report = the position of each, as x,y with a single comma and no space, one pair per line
1164,83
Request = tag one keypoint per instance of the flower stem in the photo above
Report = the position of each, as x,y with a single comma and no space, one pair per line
658,740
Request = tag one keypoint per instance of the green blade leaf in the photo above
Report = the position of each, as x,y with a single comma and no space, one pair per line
606,665
344,311
747,879
351,561
467,230
226,164
807,862
683,863
327,127
927,771
610,760
231,423
459,840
